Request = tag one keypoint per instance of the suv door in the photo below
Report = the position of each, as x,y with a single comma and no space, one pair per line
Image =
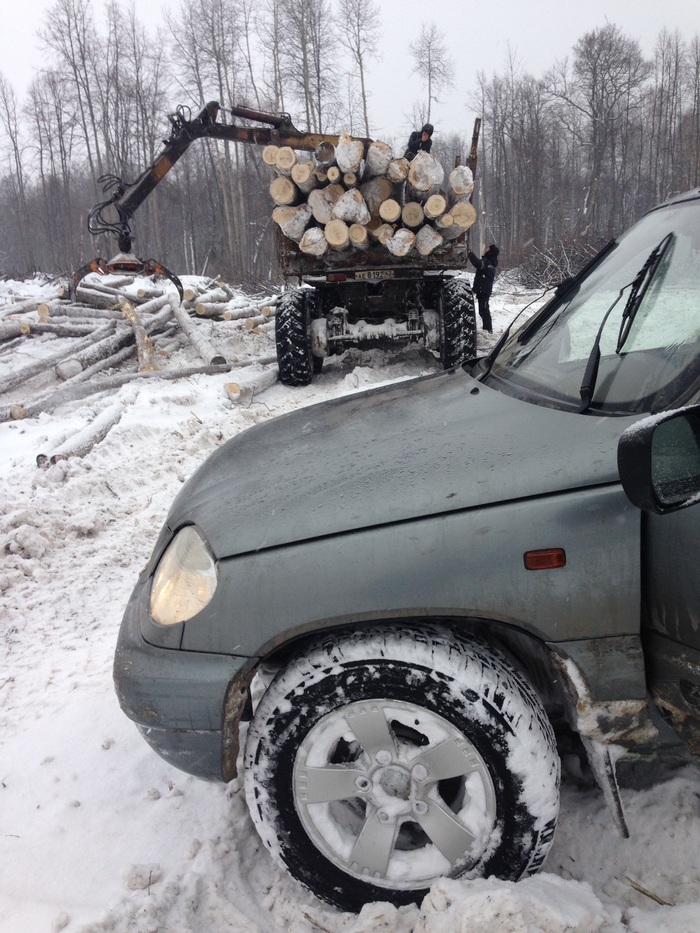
669,447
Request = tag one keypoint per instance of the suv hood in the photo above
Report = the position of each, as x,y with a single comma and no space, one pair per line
425,446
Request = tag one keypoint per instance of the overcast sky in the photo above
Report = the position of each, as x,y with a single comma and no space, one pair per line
479,37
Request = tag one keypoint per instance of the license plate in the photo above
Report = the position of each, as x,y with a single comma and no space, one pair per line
375,274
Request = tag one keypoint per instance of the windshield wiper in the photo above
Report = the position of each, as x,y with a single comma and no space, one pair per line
639,287
561,289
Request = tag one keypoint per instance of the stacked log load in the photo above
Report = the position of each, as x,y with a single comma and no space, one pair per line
351,196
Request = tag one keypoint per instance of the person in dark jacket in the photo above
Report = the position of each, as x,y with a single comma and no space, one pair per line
483,282
419,140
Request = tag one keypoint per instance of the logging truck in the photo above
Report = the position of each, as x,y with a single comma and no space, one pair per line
372,248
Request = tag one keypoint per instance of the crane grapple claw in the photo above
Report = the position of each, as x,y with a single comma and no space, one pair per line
124,264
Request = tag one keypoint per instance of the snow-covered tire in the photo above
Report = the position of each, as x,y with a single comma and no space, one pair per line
293,337
457,323
381,760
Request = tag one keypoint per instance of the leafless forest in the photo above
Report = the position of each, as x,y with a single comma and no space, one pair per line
566,157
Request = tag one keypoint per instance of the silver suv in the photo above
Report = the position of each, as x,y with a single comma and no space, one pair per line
429,588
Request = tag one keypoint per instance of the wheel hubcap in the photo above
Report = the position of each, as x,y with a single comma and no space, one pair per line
393,793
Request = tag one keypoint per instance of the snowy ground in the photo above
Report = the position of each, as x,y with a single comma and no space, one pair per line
98,834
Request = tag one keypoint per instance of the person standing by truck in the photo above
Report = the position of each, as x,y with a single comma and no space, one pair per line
483,282
419,141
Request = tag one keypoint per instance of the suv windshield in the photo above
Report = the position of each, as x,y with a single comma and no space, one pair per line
638,307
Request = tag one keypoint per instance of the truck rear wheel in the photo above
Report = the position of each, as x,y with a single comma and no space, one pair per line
381,760
293,338
457,323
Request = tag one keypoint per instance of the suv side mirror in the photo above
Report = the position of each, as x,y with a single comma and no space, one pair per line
659,461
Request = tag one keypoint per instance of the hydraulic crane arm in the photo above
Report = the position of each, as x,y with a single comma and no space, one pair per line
113,214
127,197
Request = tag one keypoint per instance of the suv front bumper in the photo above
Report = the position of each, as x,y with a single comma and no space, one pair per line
186,704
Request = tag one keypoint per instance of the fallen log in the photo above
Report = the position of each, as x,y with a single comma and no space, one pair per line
205,350
41,366
76,362
112,291
60,328
78,390
11,345
214,293
73,363
123,281
210,309
252,322
147,292
169,343
94,298
144,345
11,329
83,442
237,314
243,390
19,307
191,293
159,310
70,310
156,321
108,362
42,458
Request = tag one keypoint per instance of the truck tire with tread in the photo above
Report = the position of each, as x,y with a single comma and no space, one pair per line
457,323
381,760
293,338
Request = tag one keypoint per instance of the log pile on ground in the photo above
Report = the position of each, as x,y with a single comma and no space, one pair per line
349,197
118,331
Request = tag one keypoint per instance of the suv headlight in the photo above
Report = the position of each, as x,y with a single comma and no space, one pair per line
185,580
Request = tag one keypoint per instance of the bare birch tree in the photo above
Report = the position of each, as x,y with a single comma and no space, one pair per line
604,85
433,63
10,123
70,34
359,23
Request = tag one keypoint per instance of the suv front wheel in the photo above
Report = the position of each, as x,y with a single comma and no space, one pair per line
382,760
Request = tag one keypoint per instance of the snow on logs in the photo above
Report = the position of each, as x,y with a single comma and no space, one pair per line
145,322
352,196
